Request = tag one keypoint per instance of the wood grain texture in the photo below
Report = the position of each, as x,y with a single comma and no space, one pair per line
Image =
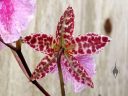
90,16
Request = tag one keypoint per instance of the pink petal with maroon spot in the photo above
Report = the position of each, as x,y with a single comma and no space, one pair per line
14,18
77,71
89,43
65,26
88,62
47,64
68,78
40,42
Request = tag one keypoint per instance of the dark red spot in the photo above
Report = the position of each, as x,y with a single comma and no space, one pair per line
74,74
83,75
37,77
82,38
103,44
83,81
40,38
81,51
51,56
75,65
105,39
46,70
67,29
36,35
98,47
40,42
69,20
90,41
90,84
73,42
80,45
34,73
61,19
37,70
75,52
33,46
85,45
66,36
70,70
85,38
45,40
66,64
92,38
93,49
44,36
97,40
58,28
88,45
27,38
51,68
79,70
41,47
51,50
43,74
77,78
88,79
50,39
88,51
77,40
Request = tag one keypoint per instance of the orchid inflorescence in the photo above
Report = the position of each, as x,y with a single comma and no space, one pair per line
74,47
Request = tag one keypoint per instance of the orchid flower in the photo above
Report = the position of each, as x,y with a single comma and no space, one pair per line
77,58
14,18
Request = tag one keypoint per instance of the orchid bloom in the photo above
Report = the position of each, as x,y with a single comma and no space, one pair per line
77,60
14,18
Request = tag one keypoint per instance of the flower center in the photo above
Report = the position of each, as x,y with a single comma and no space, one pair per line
61,43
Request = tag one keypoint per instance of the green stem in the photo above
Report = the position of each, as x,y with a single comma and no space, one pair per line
60,71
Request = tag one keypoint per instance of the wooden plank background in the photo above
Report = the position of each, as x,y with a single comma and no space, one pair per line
90,16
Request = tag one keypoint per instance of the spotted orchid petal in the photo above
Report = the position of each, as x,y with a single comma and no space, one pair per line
47,64
77,71
88,63
14,18
65,26
89,44
40,42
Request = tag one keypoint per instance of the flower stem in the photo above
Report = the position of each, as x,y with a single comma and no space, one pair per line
20,55
23,65
60,71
